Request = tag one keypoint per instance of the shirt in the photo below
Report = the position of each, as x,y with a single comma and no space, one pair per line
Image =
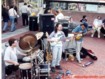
12,12
10,54
59,35
59,16
24,9
78,29
97,23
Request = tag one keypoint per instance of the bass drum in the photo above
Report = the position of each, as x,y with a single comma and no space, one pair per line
25,70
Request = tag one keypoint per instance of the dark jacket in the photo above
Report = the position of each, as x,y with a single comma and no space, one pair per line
5,15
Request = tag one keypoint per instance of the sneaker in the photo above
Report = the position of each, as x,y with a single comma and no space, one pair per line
81,59
68,72
92,36
53,69
79,62
98,36
58,67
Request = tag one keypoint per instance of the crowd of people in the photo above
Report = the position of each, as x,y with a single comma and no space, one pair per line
11,14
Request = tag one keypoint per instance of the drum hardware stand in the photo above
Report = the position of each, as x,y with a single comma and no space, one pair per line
36,64
37,75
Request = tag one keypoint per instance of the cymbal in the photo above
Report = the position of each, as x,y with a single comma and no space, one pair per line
39,35
27,42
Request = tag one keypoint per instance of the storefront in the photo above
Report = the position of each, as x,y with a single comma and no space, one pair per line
78,5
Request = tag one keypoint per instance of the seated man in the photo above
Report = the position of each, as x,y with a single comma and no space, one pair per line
103,28
84,20
10,57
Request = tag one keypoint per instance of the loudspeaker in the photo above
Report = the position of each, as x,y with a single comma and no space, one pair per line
65,28
46,23
33,25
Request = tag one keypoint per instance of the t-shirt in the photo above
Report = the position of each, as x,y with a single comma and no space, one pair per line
59,17
59,35
10,54
97,23
12,12
78,29
24,9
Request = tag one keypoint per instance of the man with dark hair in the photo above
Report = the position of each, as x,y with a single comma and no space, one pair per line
24,11
10,56
79,31
84,20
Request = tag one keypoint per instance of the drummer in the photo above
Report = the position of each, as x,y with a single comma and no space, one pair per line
10,56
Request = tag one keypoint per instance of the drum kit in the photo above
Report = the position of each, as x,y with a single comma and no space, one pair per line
34,66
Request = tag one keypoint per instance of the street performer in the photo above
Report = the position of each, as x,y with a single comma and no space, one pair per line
79,32
56,46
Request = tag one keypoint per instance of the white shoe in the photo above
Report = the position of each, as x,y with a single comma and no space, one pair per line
92,36
98,36
81,59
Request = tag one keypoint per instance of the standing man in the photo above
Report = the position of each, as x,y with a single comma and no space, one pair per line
24,11
5,17
79,30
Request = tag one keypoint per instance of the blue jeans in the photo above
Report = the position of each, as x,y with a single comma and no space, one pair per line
5,26
12,19
57,53
78,49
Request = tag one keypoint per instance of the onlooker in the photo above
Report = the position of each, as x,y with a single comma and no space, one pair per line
97,24
24,11
10,56
84,20
29,10
12,15
103,28
59,16
16,19
5,17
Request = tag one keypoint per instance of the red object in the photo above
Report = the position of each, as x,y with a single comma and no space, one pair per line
90,51
66,77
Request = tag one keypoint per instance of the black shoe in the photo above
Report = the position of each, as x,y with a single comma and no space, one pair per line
58,67
3,31
53,69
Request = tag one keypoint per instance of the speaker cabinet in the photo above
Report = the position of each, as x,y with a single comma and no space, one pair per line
33,25
46,23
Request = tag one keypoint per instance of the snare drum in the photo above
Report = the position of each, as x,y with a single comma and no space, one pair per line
25,70
27,59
